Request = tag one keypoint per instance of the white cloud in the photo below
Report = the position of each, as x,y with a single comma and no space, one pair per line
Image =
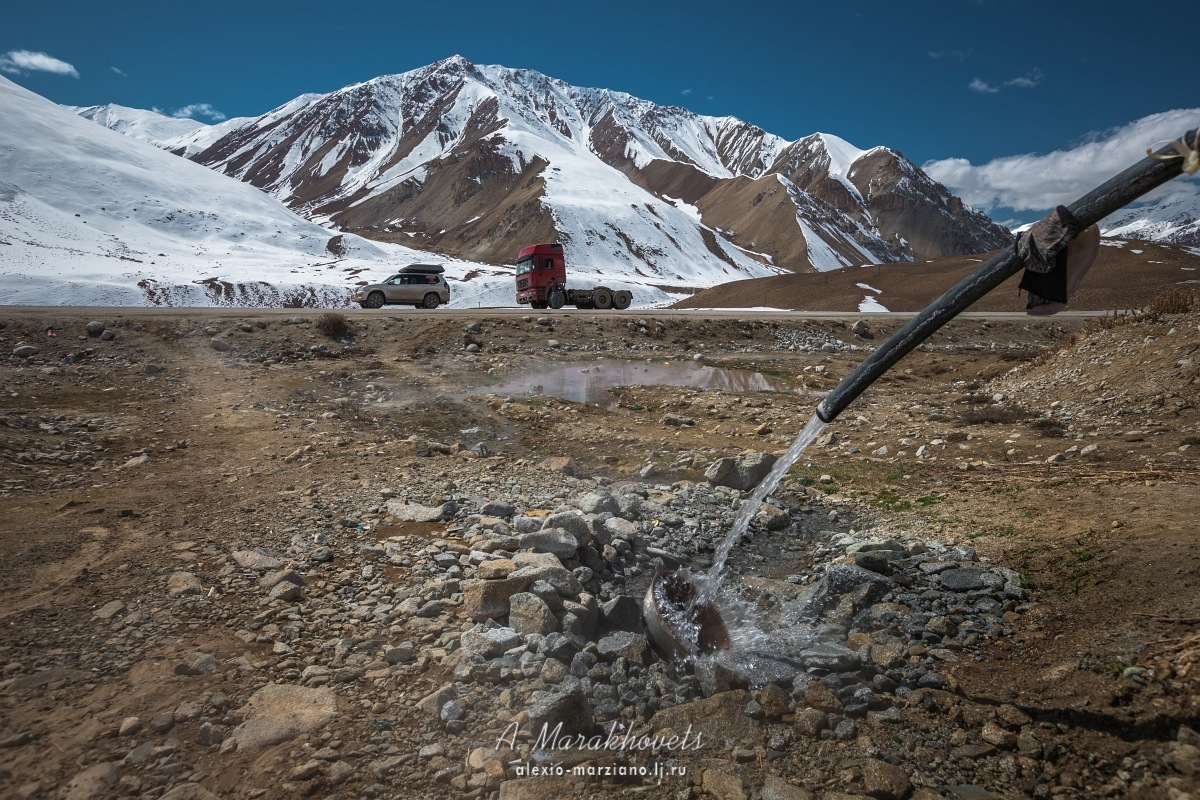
979,85
16,62
119,72
1034,182
195,110
686,92
1028,80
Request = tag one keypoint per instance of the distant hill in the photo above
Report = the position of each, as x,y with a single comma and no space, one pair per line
1127,274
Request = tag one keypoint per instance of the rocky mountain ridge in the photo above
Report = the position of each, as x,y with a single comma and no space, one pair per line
476,161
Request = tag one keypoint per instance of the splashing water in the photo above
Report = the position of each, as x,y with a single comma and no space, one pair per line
711,582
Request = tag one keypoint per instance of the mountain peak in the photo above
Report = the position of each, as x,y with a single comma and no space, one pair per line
479,161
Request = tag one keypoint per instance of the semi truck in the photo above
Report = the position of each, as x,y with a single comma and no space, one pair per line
542,283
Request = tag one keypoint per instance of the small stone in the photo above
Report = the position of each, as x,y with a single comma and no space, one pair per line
885,781
183,583
845,730
961,579
197,664
339,772
829,656
220,345
108,336
810,722
723,785
774,701
109,610
25,351
285,591
162,723
254,560
309,769
129,726
633,647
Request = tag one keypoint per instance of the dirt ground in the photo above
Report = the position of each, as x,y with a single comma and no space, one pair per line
126,460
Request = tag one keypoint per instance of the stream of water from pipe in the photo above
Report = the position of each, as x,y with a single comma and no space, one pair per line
711,582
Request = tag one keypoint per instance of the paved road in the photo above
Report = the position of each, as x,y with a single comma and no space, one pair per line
222,312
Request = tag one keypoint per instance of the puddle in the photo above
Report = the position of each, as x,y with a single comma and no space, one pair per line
590,381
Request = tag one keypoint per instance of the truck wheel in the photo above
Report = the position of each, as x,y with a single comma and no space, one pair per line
537,304
602,298
622,299
556,300
374,300
431,301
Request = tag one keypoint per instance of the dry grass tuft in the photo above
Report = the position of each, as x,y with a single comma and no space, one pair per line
333,325
996,415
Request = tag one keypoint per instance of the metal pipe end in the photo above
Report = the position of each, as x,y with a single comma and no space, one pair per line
826,415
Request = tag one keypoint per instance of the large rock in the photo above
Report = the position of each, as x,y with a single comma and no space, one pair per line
95,781
254,560
841,579
561,578
570,522
279,713
550,540
489,642
25,351
489,599
528,614
720,720
598,503
742,473
413,512
570,708
183,583
622,613
633,647
962,579
829,656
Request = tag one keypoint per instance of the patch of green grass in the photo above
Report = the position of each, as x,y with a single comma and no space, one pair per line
929,500
1085,554
1007,488
1026,583
889,500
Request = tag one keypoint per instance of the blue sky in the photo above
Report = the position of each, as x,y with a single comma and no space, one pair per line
970,79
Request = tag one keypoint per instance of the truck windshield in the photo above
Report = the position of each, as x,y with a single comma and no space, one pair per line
525,265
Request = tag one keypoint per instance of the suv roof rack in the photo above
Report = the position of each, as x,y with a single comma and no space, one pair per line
432,269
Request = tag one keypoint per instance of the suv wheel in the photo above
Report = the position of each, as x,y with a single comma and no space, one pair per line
431,301
374,300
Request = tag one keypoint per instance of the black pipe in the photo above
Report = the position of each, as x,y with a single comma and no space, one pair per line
1088,210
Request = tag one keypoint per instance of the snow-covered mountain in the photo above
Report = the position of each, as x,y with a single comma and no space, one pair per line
478,161
181,136
90,217
1175,221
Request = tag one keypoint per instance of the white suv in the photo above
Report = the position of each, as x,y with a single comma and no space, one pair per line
417,285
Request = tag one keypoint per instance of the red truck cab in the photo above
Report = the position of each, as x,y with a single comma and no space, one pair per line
540,267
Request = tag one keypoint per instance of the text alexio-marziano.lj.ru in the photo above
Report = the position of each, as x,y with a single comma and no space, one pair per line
553,739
